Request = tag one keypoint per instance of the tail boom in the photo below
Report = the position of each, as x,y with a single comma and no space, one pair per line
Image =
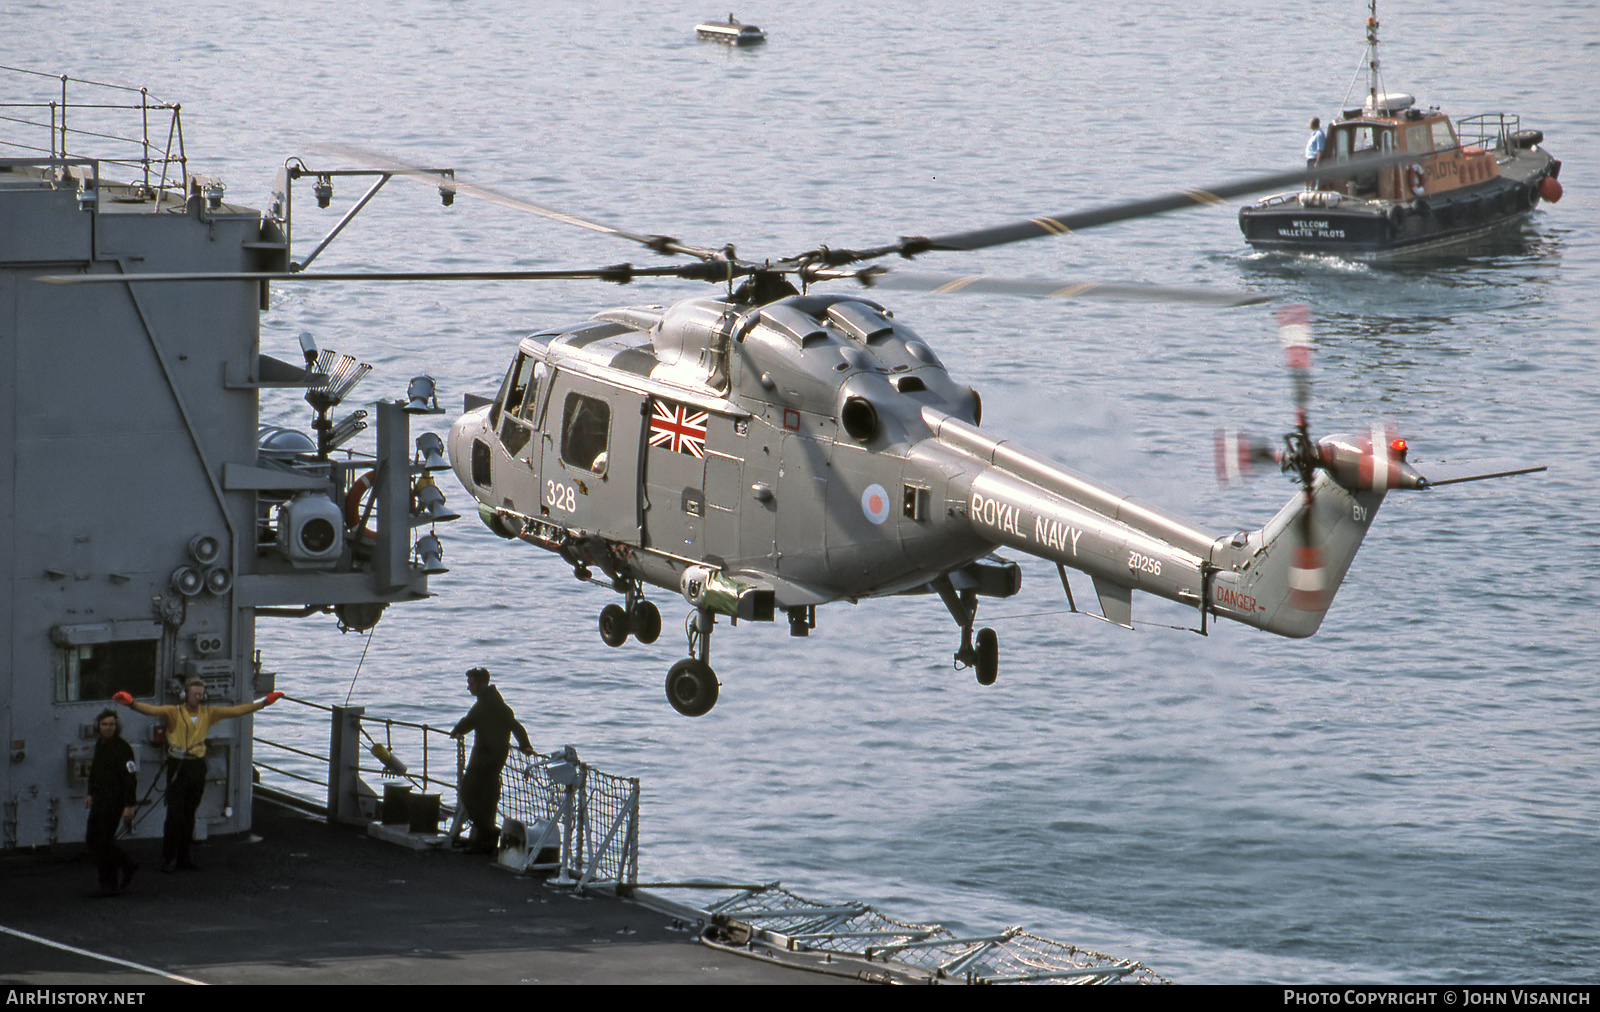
1014,498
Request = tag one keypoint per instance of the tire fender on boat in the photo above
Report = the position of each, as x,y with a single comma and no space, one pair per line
1397,218
1416,179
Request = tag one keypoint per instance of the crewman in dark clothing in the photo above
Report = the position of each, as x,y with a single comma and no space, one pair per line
113,793
492,724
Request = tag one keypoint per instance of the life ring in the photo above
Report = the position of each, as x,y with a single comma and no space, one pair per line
1416,179
352,508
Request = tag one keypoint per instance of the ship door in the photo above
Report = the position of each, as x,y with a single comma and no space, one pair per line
591,439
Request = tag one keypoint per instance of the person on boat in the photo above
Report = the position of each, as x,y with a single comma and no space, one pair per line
113,792
1315,145
187,726
492,724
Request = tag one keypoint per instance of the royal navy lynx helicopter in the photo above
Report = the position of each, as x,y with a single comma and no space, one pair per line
772,448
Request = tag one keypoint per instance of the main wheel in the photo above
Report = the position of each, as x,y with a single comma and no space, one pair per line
692,687
613,625
646,622
987,663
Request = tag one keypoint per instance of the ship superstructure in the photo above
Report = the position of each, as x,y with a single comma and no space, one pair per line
146,518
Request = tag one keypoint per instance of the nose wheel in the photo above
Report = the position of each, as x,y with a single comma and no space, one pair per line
692,686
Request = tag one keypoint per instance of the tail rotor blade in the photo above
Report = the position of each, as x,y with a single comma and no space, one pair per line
1237,454
1306,575
1306,578
1294,332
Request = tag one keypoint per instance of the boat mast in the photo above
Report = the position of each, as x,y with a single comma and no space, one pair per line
1372,55
1374,77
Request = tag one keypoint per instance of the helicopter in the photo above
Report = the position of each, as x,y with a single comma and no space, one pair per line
768,450
771,449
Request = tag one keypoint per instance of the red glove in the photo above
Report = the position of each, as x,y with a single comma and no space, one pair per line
124,698
273,697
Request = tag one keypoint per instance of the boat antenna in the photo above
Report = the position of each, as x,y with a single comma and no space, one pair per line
1370,60
1373,81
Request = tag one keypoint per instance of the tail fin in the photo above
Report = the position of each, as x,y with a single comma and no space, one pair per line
1268,585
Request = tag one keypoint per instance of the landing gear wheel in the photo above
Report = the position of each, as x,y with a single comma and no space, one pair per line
987,662
692,687
646,622
613,625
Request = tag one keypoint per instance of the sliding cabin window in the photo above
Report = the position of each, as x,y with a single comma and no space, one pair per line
585,433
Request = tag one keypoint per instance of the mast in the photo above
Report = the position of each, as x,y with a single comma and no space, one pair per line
1372,55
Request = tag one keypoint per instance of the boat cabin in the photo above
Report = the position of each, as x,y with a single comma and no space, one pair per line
730,32
1392,125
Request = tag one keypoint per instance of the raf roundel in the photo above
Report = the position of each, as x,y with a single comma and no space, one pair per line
875,503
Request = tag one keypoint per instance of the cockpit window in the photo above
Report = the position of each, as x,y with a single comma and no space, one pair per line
531,398
516,395
517,391
585,433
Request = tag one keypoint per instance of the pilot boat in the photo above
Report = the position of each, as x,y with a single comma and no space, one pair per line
730,32
1402,180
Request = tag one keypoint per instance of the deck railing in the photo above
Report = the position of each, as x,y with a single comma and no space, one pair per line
553,802
126,127
1491,131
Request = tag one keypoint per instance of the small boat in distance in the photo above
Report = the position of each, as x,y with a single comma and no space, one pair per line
1443,184
730,32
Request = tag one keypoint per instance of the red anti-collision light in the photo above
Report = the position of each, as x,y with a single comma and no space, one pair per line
1397,448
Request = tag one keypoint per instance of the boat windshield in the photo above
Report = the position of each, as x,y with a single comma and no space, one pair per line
1443,137
1352,140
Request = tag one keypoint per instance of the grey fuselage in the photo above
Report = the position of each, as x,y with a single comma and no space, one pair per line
816,448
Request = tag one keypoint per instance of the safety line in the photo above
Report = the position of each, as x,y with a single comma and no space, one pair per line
95,955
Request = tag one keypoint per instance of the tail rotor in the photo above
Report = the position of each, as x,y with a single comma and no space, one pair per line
1301,457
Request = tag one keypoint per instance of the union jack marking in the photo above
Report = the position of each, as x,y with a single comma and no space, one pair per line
678,428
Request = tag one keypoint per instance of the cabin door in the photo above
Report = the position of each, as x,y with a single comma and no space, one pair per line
591,441
675,477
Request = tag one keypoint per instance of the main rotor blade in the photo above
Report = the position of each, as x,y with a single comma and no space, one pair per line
662,244
982,284
620,274
1077,221
1477,470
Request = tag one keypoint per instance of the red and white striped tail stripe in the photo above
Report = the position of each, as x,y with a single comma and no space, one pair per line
1306,579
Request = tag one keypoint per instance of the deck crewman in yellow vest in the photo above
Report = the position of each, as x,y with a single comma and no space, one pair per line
187,727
